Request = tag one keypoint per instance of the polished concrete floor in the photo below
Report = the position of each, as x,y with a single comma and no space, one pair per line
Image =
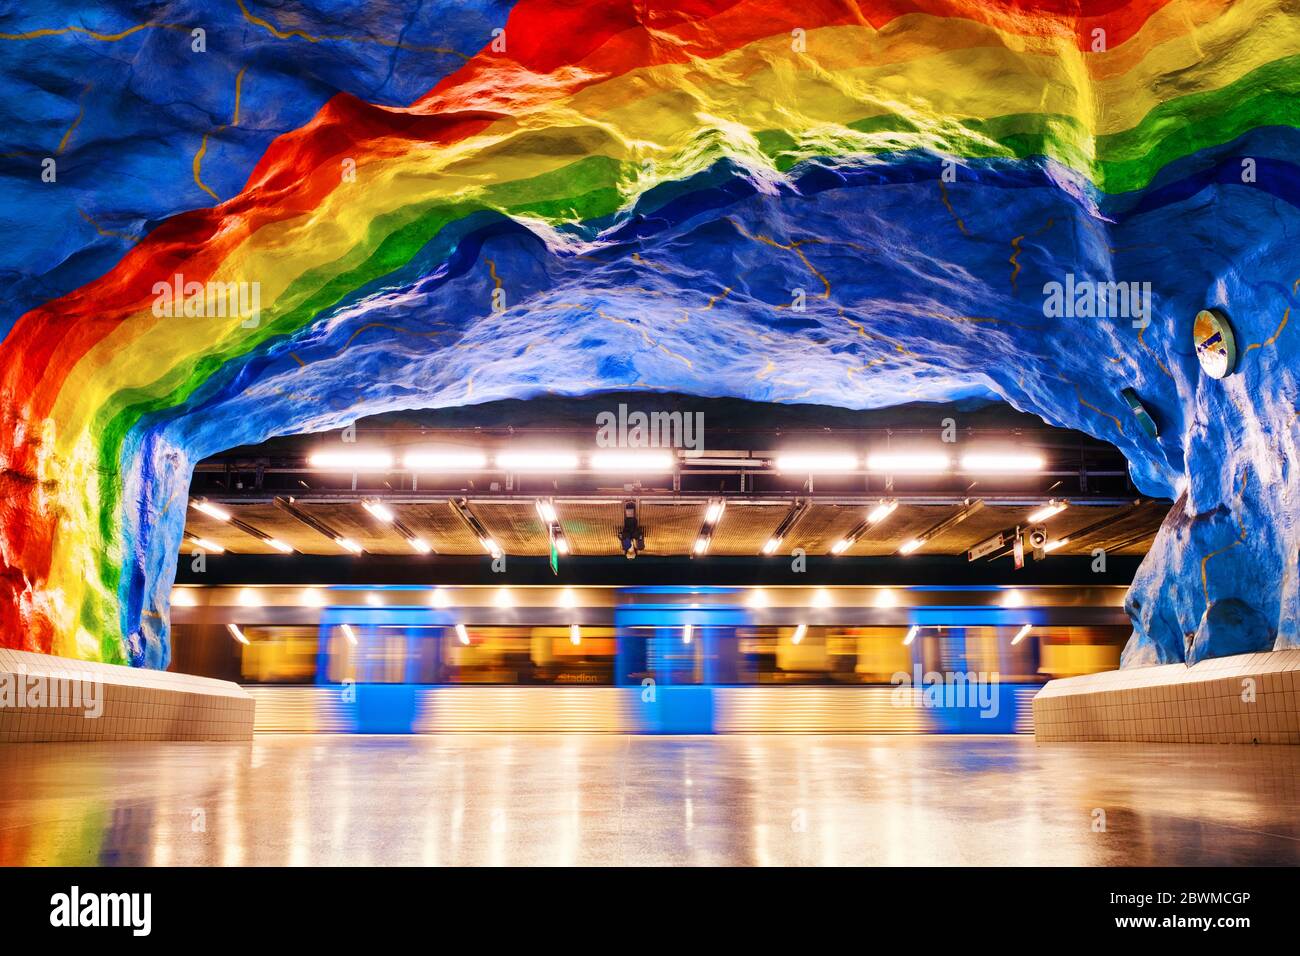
587,799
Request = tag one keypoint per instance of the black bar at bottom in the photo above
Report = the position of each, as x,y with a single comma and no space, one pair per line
256,908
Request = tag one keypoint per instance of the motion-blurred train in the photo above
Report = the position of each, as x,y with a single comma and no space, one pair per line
646,659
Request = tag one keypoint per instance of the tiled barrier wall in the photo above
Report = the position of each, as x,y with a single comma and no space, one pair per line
1250,698
405,708
45,698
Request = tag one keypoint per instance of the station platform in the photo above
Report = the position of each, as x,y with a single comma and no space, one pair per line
514,799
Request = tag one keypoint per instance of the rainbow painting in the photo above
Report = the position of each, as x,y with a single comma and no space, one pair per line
231,223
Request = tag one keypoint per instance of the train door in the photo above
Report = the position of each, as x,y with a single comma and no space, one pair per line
380,659
677,644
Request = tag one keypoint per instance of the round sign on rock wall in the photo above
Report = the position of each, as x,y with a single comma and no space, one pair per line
1216,347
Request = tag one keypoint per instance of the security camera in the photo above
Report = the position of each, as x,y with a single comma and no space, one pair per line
631,536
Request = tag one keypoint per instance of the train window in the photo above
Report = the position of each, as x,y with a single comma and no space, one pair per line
529,655
822,655
1068,651
671,658
279,655
599,656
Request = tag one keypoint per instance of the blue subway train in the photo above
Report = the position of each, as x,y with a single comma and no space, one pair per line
668,659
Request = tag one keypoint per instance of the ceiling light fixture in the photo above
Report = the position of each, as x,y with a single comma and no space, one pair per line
650,462
1053,507
882,511
380,511
1002,462
967,508
211,510
351,461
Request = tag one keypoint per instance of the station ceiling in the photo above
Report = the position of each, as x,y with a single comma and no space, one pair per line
670,525
740,445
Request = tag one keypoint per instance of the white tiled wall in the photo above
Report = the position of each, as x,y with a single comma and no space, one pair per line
1209,702
137,704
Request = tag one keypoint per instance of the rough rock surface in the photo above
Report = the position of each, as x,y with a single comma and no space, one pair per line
854,205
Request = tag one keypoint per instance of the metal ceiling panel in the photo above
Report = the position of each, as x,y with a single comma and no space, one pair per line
513,525
592,528
671,528
437,524
745,528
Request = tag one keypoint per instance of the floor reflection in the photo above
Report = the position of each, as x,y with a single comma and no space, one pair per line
588,799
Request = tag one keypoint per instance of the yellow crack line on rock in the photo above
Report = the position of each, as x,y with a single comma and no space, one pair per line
1086,404
203,146
372,325
279,34
1241,538
792,247
92,34
107,232
1271,339
1015,244
81,114
713,299
1143,342
646,336
642,260
943,192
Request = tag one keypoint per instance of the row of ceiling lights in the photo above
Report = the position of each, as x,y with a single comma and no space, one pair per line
550,518
889,505
919,462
